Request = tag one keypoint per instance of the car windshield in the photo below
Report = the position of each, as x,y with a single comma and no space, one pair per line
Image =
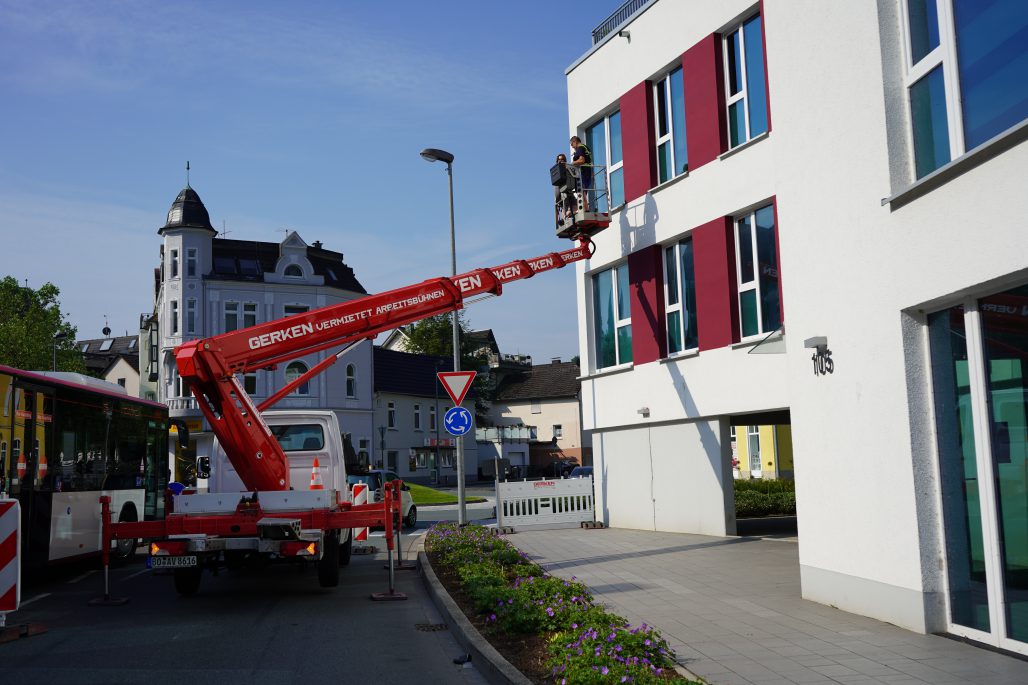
370,479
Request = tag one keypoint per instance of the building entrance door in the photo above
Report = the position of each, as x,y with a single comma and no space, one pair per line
979,354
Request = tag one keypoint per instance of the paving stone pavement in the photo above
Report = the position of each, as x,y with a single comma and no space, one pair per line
731,609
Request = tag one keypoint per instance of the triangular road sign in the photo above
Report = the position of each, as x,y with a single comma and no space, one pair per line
456,384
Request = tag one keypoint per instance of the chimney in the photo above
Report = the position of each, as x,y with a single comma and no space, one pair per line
317,245
555,360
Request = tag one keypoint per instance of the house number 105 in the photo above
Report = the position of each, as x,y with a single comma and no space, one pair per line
823,363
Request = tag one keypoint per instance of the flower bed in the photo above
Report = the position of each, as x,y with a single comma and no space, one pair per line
549,628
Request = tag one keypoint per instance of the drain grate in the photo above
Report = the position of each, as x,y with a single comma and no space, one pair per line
431,627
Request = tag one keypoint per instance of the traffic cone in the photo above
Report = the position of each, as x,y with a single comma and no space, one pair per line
316,482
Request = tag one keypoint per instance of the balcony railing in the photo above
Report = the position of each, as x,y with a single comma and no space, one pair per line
620,16
506,434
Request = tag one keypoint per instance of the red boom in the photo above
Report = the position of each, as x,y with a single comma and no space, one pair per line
210,365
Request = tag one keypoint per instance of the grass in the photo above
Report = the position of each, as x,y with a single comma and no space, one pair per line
422,495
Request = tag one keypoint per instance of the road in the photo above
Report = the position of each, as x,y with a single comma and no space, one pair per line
273,626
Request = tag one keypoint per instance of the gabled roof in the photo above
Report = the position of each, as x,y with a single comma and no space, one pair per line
249,260
545,381
99,353
405,373
476,340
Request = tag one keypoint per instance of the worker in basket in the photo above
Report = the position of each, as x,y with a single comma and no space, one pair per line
565,182
582,160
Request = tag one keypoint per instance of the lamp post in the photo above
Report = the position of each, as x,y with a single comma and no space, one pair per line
434,155
57,338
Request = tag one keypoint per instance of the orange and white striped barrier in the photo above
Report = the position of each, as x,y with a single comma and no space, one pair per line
41,468
10,550
360,496
316,482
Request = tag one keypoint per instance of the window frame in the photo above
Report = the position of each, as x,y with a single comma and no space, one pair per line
297,307
610,167
173,306
304,389
173,262
190,314
249,314
351,381
678,307
740,287
190,261
743,95
944,55
663,84
417,417
293,271
432,417
391,415
231,308
618,323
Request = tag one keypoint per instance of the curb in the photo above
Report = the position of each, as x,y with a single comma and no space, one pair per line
484,656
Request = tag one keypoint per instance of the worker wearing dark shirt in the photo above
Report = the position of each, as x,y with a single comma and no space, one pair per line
582,158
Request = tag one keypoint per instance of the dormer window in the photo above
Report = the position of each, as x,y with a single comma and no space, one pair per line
293,271
175,215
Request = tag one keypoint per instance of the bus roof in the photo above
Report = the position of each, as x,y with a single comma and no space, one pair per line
78,381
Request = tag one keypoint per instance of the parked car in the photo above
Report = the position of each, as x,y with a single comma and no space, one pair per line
581,472
374,479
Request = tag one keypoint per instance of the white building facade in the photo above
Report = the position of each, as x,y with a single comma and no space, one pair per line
819,220
207,286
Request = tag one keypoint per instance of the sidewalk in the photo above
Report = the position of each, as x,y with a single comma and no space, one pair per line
731,609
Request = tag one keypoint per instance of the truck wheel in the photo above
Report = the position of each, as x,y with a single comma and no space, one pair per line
346,550
411,519
187,580
328,566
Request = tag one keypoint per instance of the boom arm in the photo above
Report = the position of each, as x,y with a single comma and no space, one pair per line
211,365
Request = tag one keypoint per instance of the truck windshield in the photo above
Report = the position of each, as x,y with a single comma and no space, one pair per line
299,437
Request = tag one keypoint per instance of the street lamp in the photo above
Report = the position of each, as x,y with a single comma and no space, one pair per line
434,155
57,338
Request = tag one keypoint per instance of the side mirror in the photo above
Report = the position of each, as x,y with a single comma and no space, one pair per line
203,467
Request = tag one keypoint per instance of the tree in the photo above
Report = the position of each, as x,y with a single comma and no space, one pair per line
31,324
434,336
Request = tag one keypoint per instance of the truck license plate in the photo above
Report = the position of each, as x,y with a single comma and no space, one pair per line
173,562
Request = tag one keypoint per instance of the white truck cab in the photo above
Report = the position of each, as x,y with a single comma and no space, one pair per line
304,434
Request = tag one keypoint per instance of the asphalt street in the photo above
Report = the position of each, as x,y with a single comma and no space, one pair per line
275,625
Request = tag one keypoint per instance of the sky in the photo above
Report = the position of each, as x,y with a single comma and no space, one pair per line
301,116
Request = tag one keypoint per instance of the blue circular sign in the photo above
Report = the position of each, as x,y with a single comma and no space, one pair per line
458,421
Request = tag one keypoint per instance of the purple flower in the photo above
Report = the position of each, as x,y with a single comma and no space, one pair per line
604,670
647,643
574,625
549,611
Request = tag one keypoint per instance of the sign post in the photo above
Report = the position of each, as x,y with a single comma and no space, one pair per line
458,421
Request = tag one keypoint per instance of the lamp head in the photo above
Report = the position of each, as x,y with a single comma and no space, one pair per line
431,154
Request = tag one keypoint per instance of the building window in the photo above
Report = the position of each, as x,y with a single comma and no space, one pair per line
612,325
293,271
174,317
182,387
745,96
191,315
151,395
753,447
537,408
231,316
121,382
173,266
293,309
417,417
558,431
191,261
294,371
351,380
249,314
756,261
669,124
431,418
604,141
966,62
680,297
391,415
250,383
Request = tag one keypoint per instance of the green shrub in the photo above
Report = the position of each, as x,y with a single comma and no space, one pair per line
764,485
605,649
749,503
783,503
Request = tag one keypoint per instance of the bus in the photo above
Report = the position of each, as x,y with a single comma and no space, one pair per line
65,440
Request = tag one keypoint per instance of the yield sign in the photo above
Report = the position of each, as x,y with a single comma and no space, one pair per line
456,384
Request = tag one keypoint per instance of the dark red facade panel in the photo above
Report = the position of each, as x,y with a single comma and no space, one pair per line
637,140
717,311
705,126
767,71
646,287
